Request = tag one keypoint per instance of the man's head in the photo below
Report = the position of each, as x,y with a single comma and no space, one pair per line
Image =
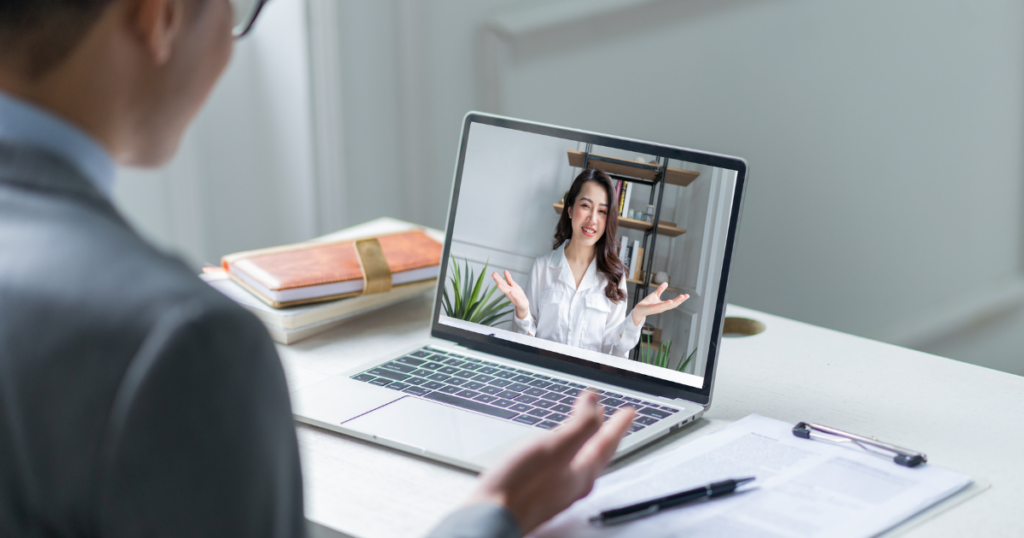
132,73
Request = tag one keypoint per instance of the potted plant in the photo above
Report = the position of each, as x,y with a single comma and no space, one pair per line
472,301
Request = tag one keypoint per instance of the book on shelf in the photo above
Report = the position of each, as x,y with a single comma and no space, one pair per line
638,263
628,260
291,324
623,247
618,192
323,270
627,193
634,252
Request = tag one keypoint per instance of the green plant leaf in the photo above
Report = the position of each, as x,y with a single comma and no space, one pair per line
456,287
446,303
486,311
491,319
475,295
682,366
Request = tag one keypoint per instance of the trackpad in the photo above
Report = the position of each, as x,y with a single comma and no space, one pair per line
442,430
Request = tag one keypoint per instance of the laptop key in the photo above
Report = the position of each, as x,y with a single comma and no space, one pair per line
457,381
363,377
527,419
398,385
656,413
636,427
526,399
548,425
439,357
630,400
390,374
501,402
485,398
572,392
417,391
538,376
465,373
422,372
415,381
438,377
473,385
450,389
487,389
558,388
470,359
483,378
568,400
471,366
540,383
421,353
611,402
609,411
398,367
505,374
471,405
488,370
520,408
381,382
411,361
553,396
562,408
535,392
468,394
669,409
518,387
522,379
546,404
556,417
499,382
647,421
612,395
539,412
431,366
454,362
508,394
432,385
448,370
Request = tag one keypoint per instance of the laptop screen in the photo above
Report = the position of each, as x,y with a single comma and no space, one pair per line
558,240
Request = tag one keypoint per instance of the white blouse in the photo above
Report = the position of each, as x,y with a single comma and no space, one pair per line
583,317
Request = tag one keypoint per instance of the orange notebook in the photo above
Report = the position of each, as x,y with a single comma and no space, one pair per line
310,272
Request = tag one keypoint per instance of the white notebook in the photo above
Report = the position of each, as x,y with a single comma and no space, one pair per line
804,488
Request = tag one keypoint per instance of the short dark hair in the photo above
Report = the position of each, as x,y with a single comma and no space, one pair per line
36,35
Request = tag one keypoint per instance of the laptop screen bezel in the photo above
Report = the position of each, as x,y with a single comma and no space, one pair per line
566,363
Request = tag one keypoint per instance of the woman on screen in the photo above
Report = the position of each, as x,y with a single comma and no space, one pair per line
578,290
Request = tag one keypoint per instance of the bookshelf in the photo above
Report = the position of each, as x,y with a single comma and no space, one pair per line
656,175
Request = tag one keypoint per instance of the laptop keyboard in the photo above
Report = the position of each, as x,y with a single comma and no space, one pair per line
498,390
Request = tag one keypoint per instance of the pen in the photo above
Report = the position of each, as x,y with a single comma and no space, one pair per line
653,506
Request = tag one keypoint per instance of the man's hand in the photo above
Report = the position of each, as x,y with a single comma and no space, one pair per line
545,478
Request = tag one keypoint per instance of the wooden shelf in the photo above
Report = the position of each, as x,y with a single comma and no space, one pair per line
623,167
634,281
633,224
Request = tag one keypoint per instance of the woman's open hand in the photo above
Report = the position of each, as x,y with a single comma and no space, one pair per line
652,304
514,293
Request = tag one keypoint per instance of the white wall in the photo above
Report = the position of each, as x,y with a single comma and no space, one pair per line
243,177
884,137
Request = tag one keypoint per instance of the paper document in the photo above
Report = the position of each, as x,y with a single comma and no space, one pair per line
804,488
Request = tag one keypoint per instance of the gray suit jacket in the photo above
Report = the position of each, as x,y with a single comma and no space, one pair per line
134,399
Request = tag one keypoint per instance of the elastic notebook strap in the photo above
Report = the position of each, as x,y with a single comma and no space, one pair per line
376,271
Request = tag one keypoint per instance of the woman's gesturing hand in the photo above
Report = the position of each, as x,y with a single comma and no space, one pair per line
652,304
514,293
548,476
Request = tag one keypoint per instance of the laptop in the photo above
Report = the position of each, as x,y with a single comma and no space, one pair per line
480,386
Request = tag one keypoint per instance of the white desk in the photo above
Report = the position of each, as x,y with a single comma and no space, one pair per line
965,417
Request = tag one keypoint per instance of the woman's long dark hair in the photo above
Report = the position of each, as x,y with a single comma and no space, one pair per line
607,247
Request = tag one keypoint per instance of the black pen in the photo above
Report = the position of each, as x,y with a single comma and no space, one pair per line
653,506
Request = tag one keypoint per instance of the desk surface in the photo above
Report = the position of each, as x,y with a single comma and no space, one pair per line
965,417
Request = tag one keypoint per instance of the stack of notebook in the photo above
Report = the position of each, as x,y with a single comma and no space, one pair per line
303,289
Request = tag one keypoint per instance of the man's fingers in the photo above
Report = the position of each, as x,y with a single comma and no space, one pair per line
585,421
601,447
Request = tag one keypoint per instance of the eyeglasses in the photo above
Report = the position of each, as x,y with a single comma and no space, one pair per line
245,12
